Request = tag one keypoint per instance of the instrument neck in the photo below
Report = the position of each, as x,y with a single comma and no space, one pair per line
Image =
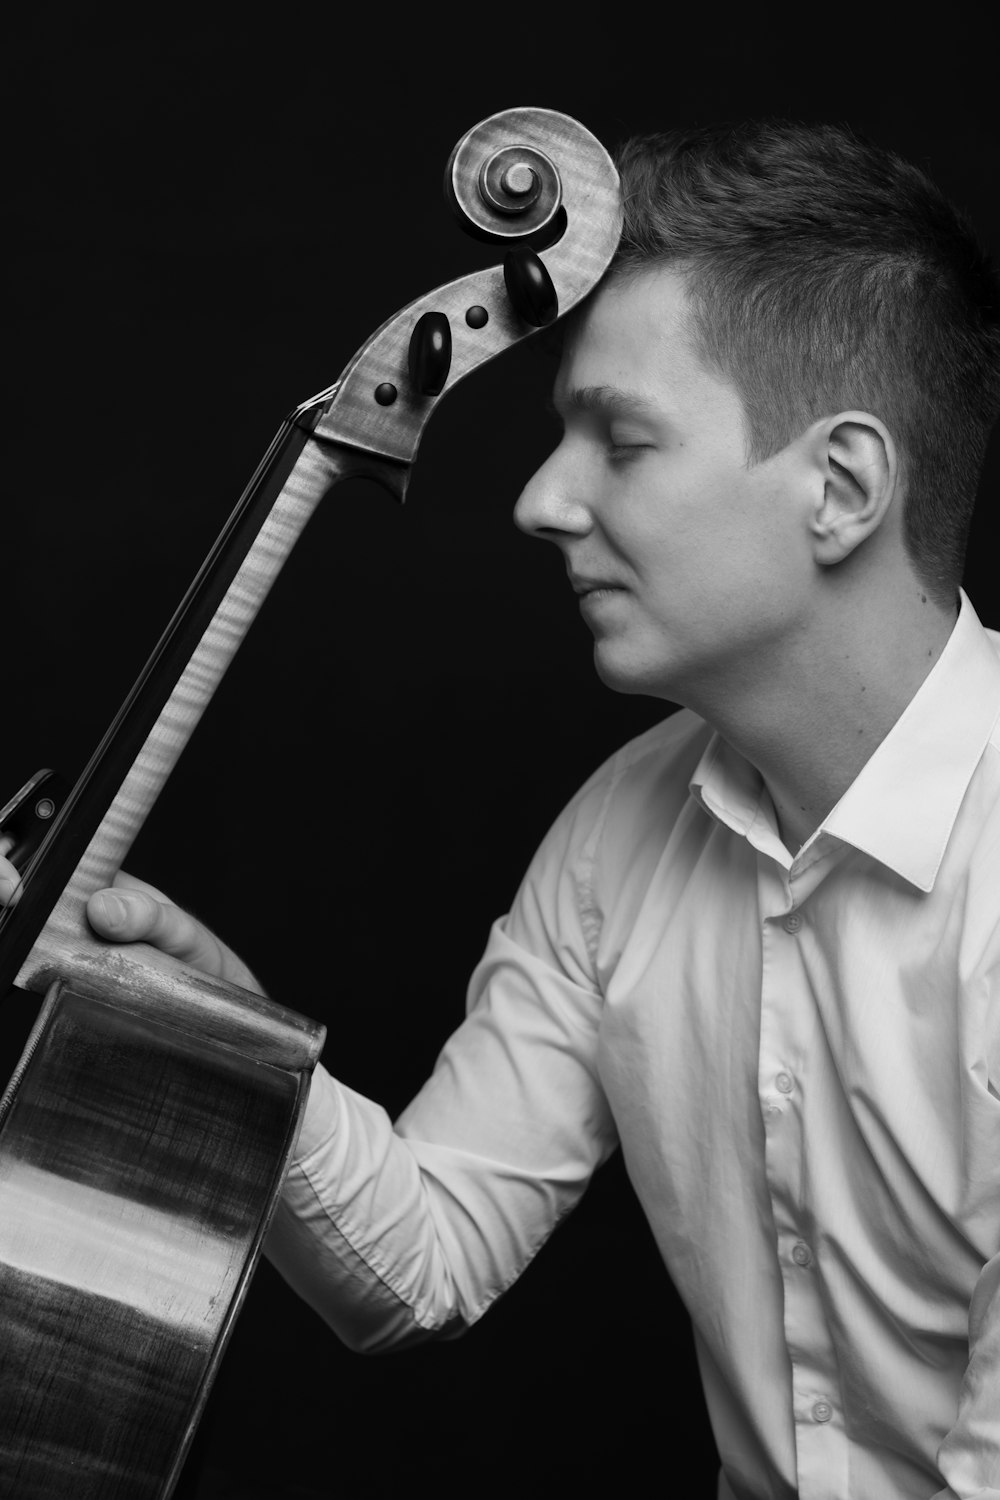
103,814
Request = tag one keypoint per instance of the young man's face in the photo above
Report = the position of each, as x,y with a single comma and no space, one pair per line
690,565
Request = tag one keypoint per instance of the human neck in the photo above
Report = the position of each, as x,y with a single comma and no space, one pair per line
814,718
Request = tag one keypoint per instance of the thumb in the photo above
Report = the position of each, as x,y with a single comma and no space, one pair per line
128,915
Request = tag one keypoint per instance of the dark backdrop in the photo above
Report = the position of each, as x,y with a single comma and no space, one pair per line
207,222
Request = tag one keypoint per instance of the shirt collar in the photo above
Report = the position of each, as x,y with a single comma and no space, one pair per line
902,806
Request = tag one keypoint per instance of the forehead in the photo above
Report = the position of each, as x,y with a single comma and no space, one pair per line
633,333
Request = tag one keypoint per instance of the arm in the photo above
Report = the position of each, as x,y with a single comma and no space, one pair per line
393,1233
134,911
969,1456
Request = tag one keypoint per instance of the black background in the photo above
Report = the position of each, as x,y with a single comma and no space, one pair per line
207,220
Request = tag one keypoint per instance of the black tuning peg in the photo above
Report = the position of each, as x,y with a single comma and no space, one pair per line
529,286
430,353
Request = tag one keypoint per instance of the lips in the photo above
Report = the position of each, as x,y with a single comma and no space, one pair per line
584,586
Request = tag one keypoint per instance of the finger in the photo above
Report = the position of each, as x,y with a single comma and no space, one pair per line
125,916
10,883
128,914
132,882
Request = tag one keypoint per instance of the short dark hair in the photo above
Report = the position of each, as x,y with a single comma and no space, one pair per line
827,273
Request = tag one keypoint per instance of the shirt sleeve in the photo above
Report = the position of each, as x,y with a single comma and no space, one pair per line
395,1232
969,1457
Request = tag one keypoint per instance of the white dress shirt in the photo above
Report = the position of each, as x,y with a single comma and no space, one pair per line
800,1058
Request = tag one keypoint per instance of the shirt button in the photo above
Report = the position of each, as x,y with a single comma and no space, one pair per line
801,1254
784,1082
822,1411
792,922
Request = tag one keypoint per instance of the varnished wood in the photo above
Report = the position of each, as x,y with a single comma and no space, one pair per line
353,432
145,1133
146,982
66,932
576,262
133,1200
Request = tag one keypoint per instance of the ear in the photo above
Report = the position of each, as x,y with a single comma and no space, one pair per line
859,467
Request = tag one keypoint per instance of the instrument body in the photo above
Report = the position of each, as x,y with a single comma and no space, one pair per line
145,1134
140,1162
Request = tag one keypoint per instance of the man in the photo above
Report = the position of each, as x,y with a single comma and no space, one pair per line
760,948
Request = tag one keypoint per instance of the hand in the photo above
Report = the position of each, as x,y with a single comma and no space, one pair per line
132,911
9,878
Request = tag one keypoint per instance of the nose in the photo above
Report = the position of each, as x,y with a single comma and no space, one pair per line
551,505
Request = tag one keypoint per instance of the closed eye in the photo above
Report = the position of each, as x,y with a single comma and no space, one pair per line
606,425
625,440
626,452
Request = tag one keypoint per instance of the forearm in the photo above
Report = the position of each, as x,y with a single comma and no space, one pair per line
395,1232
353,1234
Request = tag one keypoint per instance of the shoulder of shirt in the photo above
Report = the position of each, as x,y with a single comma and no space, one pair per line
610,838
634,797
672,749
980,880
993,636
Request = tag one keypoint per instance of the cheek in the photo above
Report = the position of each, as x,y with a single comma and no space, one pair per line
742,532
702,528
718,581
684,541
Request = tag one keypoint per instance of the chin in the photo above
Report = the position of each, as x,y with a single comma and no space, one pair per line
624,676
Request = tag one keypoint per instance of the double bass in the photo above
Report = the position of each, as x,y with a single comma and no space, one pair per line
146,1130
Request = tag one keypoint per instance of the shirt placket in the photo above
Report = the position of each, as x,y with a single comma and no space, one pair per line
788,1024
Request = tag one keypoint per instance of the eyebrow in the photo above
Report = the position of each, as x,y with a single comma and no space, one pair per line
607,400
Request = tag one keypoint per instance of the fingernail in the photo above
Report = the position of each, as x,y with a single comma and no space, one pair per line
111,909
7,887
